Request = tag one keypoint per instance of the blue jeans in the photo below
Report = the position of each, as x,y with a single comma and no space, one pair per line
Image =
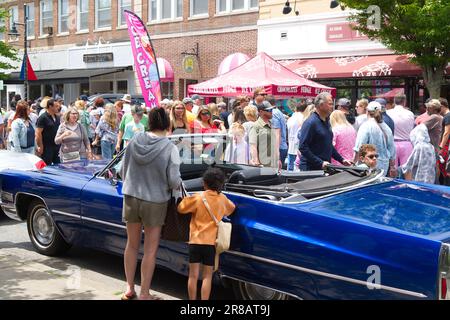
291,162
107,149
283,155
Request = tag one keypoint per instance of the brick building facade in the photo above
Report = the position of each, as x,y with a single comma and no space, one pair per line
56,54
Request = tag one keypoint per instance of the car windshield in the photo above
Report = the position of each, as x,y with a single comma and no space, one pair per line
198,151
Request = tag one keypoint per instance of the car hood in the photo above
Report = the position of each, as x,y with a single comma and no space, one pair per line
85,168
399,205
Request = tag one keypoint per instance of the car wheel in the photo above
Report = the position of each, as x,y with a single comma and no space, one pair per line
42,230
247,291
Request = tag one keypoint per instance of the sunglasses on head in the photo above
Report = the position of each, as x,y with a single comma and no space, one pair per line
263,94
372,156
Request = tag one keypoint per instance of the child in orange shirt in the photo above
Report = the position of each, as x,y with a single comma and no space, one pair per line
203,229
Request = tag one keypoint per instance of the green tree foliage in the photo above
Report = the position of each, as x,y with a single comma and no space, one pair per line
417,27
7,53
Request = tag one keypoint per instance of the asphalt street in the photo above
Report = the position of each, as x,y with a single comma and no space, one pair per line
82,273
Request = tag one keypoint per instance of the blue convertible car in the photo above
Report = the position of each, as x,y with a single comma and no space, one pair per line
346,233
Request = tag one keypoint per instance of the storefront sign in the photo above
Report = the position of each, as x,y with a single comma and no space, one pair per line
339,32
188,64
98,57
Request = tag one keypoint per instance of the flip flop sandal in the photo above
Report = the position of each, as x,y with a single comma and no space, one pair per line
126,297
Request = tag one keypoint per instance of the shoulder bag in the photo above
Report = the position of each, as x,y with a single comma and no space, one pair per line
176,225
223,230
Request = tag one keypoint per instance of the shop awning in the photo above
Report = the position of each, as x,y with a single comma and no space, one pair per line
260,71
354,67
231,62
165,70
66,75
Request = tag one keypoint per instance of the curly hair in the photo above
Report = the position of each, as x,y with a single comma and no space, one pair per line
214,179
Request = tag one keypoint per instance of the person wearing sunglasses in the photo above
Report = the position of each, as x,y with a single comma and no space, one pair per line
367,156
205,124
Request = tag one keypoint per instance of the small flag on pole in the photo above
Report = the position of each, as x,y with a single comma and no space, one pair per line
30,72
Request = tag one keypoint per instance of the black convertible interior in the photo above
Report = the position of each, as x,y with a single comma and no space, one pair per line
273,185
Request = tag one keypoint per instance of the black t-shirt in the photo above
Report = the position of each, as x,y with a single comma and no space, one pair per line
445,121
50,128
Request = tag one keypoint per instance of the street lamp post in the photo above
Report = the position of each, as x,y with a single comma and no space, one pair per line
14,32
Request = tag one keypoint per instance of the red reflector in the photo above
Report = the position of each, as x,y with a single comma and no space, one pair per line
443,288
40,165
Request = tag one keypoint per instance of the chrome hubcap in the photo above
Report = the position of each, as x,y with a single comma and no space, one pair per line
43,228
255,292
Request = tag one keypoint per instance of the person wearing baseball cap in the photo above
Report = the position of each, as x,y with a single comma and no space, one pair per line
134,121
344,105
388,120
374,131
189,104
262,140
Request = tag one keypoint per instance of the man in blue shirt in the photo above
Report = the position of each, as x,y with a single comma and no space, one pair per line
280,125
316,137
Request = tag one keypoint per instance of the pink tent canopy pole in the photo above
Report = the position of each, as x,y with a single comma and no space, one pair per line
260,71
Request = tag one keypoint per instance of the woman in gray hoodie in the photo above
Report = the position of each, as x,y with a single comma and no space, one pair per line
150,170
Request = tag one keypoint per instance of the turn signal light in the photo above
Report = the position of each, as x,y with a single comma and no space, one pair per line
40,165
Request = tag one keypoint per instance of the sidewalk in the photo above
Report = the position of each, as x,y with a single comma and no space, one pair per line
28,275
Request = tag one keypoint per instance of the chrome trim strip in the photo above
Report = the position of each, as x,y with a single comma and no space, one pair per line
258,285
325,274
29,194
104,222
67,214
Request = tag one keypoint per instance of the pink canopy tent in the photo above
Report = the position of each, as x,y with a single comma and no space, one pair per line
261,71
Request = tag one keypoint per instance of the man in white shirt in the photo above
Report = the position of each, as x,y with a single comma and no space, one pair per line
294,124
404,123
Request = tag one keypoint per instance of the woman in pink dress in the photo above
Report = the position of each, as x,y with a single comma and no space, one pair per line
344,135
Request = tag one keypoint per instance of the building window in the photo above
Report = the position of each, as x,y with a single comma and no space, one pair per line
167,90
13,16
46,16
63,16
165,9
82,15
199,7
2,28
102,14
30,22
224,6
122,86
123,5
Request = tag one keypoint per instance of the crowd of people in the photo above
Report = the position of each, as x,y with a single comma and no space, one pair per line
315,135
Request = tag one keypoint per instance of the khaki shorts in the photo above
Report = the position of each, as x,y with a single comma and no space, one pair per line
150,214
